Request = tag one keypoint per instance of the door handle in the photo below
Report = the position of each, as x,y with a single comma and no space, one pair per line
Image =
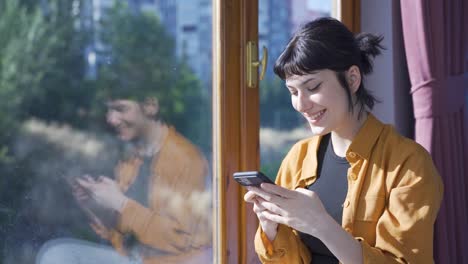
253,63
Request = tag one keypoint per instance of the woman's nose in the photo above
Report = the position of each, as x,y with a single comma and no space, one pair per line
112,118
303,102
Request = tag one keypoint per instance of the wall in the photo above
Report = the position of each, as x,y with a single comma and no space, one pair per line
389,82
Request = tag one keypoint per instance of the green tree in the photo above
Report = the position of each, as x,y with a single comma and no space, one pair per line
140,61
25,48
64,92
26,42
42,75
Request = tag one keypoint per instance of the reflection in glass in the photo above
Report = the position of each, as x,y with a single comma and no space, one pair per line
281,125
105,128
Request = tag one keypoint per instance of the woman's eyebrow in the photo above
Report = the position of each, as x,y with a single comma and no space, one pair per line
304,82
308,80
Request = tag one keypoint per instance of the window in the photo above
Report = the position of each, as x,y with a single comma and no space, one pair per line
107,124
64,66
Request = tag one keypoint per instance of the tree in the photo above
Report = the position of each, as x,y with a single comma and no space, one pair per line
26,42
42,75
64,91
138,60
25,49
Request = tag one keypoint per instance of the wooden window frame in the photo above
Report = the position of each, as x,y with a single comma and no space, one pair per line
236,126
349,12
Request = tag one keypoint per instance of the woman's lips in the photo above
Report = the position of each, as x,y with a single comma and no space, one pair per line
316,117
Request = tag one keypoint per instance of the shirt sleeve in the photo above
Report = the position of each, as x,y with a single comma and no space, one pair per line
287,247
404,232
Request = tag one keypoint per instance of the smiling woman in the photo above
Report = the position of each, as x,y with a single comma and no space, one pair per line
132,209
357,191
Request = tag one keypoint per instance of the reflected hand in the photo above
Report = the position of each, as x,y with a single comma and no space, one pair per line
81,195
83,198
300,209
105,192
269,227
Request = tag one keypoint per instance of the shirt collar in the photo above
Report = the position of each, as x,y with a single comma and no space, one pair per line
366,138
362,146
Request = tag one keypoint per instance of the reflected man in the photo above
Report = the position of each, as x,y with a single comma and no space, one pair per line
150,211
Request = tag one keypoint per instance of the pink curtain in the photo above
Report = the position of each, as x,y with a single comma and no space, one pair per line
435,36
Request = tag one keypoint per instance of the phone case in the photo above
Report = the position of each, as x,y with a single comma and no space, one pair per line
251,178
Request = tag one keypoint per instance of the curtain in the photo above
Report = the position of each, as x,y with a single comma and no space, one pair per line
435,38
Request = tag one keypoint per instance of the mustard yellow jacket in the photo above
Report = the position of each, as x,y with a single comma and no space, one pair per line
394,194
174,222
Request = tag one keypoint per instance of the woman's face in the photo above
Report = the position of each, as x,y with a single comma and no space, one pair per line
321,99
127,118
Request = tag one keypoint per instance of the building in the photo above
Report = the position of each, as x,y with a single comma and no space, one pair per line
273,29
189,22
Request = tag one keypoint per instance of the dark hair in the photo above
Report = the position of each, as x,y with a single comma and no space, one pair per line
326,43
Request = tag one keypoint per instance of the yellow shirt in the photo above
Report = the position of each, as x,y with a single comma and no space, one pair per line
394,194
174,222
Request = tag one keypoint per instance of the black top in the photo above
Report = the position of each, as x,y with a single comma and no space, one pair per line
331,186
138,190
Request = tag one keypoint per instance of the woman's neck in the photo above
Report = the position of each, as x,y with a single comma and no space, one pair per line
152,138
342,138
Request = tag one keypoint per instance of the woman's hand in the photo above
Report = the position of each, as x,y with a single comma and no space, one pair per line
104,191
300,209
81,195
269,227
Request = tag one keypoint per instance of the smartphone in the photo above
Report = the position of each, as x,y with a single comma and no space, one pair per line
251,178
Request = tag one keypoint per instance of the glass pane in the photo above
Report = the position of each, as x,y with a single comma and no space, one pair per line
105,131
280,125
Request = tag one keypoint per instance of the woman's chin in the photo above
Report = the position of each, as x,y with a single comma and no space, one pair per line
125,137
318,131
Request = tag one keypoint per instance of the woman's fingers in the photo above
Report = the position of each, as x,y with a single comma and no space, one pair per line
277,190
105,179
81,196
267,196
268,206
274,217
263,201
261,205
85,184
249,197
258,208
88,178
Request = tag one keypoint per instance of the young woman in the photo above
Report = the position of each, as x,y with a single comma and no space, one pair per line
145,210
357,191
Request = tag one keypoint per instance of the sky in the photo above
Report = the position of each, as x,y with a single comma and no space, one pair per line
320,5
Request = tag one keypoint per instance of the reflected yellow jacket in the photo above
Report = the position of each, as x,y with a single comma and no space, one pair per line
176,221
394,194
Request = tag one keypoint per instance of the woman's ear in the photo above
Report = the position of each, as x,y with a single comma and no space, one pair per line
151,106
353,77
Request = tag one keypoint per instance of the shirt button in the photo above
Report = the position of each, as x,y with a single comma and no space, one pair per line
346,204
351,154
353,176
